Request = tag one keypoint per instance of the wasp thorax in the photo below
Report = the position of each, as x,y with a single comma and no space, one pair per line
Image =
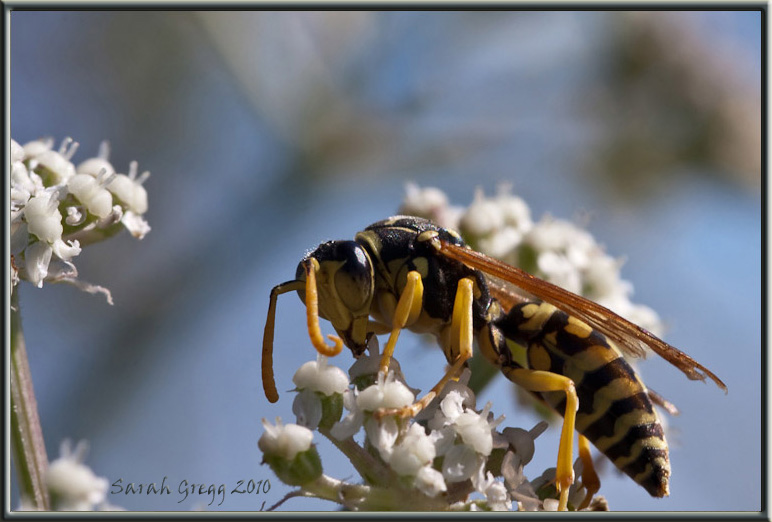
345,285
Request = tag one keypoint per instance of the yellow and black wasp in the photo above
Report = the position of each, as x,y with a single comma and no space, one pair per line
406,272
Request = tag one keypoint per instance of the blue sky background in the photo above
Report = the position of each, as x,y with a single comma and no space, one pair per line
267,133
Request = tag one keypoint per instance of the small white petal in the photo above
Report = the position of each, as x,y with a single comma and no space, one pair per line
20,178
95,166
66,251
307,407
33,148
382,435
135,224
37,257
351,423
17,152
430,481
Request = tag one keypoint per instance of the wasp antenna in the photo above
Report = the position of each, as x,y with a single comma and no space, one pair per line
312,314
269,384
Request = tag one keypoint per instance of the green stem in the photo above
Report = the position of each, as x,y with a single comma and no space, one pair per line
28,447
370,468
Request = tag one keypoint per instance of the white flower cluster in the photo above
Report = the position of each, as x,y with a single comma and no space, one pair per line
552,249
448,457
57,208
72,485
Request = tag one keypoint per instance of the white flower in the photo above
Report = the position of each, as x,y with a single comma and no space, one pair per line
413,452
430,203
495,493
430,481
33,148
91,192
129,189
95,166
73,486
43,217
475,431
44,181
318,376
284,440
461,463
17,152
56,164
386,393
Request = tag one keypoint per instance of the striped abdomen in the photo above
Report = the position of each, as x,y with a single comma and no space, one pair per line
615,412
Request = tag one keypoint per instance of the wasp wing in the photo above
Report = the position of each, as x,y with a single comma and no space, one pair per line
631,338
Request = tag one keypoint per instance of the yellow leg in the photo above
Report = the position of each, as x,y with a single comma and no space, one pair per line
589,477
462,336
543,381
312,314
408,310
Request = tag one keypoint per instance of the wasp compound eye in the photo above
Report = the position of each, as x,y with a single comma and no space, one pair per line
345,268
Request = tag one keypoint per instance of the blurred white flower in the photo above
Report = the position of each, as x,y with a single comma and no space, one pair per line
44,186
72,485
553,249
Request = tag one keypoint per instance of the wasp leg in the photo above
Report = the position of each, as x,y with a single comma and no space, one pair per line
462,336
663,403
312,314
590,478
543,381
408,310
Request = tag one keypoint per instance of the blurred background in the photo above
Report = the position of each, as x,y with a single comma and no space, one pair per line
267,133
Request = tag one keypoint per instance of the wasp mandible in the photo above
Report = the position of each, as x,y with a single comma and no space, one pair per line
406,272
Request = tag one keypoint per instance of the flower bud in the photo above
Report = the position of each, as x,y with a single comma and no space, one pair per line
288,451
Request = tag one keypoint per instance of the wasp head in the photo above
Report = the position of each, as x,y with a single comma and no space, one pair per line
345,286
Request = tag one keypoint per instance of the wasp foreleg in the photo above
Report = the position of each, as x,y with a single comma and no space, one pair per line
408,310
462,337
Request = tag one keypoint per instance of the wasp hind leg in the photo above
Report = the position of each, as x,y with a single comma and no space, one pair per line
462,336
544,381
590,478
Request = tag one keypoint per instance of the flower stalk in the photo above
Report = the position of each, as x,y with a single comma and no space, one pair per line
28,446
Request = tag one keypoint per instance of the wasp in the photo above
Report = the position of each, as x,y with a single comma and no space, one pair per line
406,272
